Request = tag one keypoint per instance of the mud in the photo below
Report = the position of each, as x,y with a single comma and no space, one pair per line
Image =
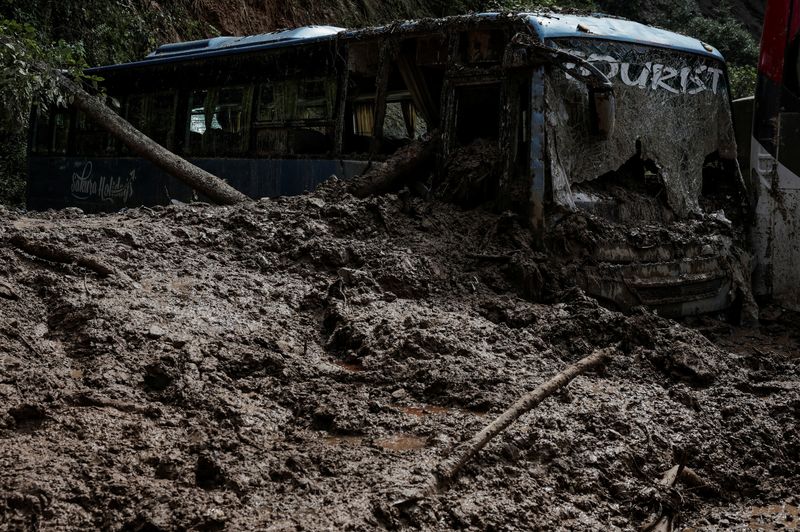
304,363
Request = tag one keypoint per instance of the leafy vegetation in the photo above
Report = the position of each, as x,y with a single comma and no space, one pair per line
26,71
27,78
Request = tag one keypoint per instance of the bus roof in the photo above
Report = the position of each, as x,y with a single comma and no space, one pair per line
546,26
554,26
301,34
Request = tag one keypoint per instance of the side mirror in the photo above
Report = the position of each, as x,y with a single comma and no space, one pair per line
603,110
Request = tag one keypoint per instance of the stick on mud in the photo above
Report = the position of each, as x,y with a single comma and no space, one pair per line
450,467
61,255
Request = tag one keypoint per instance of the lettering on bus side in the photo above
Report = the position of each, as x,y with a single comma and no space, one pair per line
108,188
654,76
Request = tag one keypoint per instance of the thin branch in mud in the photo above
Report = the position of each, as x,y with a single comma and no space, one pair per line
87,400
665,520
490,258
448,469
61,255
24,341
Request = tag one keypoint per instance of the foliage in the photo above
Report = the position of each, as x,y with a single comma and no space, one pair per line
110,31
742,80
12,167
28,71
533,5
728,35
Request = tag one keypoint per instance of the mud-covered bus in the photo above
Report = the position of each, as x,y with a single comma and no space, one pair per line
773,160
580,111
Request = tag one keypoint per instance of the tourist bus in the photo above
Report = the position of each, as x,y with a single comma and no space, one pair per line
575,109
774,156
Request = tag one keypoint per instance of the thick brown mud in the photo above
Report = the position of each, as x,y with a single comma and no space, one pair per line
305,363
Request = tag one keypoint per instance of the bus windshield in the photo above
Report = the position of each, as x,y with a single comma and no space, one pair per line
672,113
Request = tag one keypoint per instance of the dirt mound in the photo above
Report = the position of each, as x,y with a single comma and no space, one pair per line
306,362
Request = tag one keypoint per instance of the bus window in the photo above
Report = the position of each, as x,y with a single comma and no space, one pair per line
295,117
266,103
91,139
315,99
197,122
217,124
61,123
153,115
161,118
226,127
359,126
51,132
43,135
482,46
363,118
135,111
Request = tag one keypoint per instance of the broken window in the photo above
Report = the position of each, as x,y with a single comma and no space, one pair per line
673,110
388,105
363,118
197,121
315,99
402,121
363,64
477,113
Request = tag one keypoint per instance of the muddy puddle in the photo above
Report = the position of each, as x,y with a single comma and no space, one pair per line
352,367
774,517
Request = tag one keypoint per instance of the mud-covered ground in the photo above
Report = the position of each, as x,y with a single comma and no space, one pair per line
304,363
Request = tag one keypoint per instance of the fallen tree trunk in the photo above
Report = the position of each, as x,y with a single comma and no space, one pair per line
406,165
450,467
208,184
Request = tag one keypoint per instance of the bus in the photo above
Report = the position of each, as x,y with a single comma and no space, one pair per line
773,159
627,122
